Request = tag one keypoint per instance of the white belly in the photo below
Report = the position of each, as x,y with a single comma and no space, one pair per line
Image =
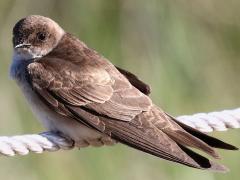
81,134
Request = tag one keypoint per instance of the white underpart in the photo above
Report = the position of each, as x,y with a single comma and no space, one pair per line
50,141
25,55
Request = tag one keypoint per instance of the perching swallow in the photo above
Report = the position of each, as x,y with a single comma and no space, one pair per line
76,92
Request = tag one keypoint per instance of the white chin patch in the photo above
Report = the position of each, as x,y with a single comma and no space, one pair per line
25,54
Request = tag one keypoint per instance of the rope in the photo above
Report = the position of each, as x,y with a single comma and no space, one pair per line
213,121
49,141
37,143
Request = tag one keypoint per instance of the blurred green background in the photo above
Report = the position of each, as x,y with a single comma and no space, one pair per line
188,51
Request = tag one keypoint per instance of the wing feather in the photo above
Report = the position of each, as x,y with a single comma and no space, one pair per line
93,87
89,89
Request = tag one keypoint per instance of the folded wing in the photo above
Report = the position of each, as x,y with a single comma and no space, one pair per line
99,96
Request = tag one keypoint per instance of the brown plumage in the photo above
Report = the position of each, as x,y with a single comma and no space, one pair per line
72,82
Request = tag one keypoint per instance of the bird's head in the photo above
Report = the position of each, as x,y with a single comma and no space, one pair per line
35,36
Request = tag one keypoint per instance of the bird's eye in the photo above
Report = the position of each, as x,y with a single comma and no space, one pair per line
41,36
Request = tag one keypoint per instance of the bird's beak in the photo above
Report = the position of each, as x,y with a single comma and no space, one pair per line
23,45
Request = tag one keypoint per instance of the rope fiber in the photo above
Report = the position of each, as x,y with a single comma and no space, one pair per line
50,141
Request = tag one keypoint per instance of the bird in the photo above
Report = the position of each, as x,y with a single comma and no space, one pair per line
78,93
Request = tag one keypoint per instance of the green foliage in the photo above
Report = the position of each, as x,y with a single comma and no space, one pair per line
188,51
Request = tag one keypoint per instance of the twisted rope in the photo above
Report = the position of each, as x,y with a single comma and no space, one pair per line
213,121
49,141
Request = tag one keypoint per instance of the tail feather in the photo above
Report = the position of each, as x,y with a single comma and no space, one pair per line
204,162
186,139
